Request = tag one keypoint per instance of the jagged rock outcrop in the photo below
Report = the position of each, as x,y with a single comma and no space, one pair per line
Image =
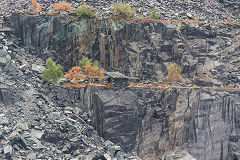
206,53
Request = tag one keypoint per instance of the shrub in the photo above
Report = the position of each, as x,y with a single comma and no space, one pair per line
101,74
53,72
35,6
87,68
75,74
95,63
85,11
84,60
122,11
91,69
153,13
62,6
174,73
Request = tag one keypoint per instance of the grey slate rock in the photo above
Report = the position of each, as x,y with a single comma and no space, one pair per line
6,30
7,150
38,68
4,58
31,156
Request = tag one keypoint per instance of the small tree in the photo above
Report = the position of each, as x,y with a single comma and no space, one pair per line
83,61
85,11
174,73
35,6
62,6
91,68
53,72
101,74
94,71
153,13
91,71
95,63
87,68
122,11
75,74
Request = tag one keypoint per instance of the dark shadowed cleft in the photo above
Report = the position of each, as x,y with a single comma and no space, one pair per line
5,97
19,143
53,137
101,157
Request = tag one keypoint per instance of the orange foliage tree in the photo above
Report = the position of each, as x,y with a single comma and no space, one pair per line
91,71
62,6
101,74
75,74
35,6
87,68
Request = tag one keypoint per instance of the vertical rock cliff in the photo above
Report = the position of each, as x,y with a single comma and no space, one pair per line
137,49
156,122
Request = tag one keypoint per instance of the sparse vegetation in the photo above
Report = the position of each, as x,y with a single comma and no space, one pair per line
35,6
91,71
153,13
122,11
101,74
87,70
84,60
53,72
62,6
75,74
85,11
174,73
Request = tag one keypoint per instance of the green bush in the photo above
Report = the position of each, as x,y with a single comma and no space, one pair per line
153,13
53,72
122,11
85,11
84,60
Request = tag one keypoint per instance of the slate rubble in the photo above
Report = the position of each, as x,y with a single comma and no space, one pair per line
206,10
32,126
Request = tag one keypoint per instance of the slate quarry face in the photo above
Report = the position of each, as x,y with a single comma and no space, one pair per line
137,49
152,122
116,117
155,122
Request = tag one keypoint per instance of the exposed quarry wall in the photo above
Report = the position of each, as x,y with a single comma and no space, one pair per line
152,122
155,122
138,49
